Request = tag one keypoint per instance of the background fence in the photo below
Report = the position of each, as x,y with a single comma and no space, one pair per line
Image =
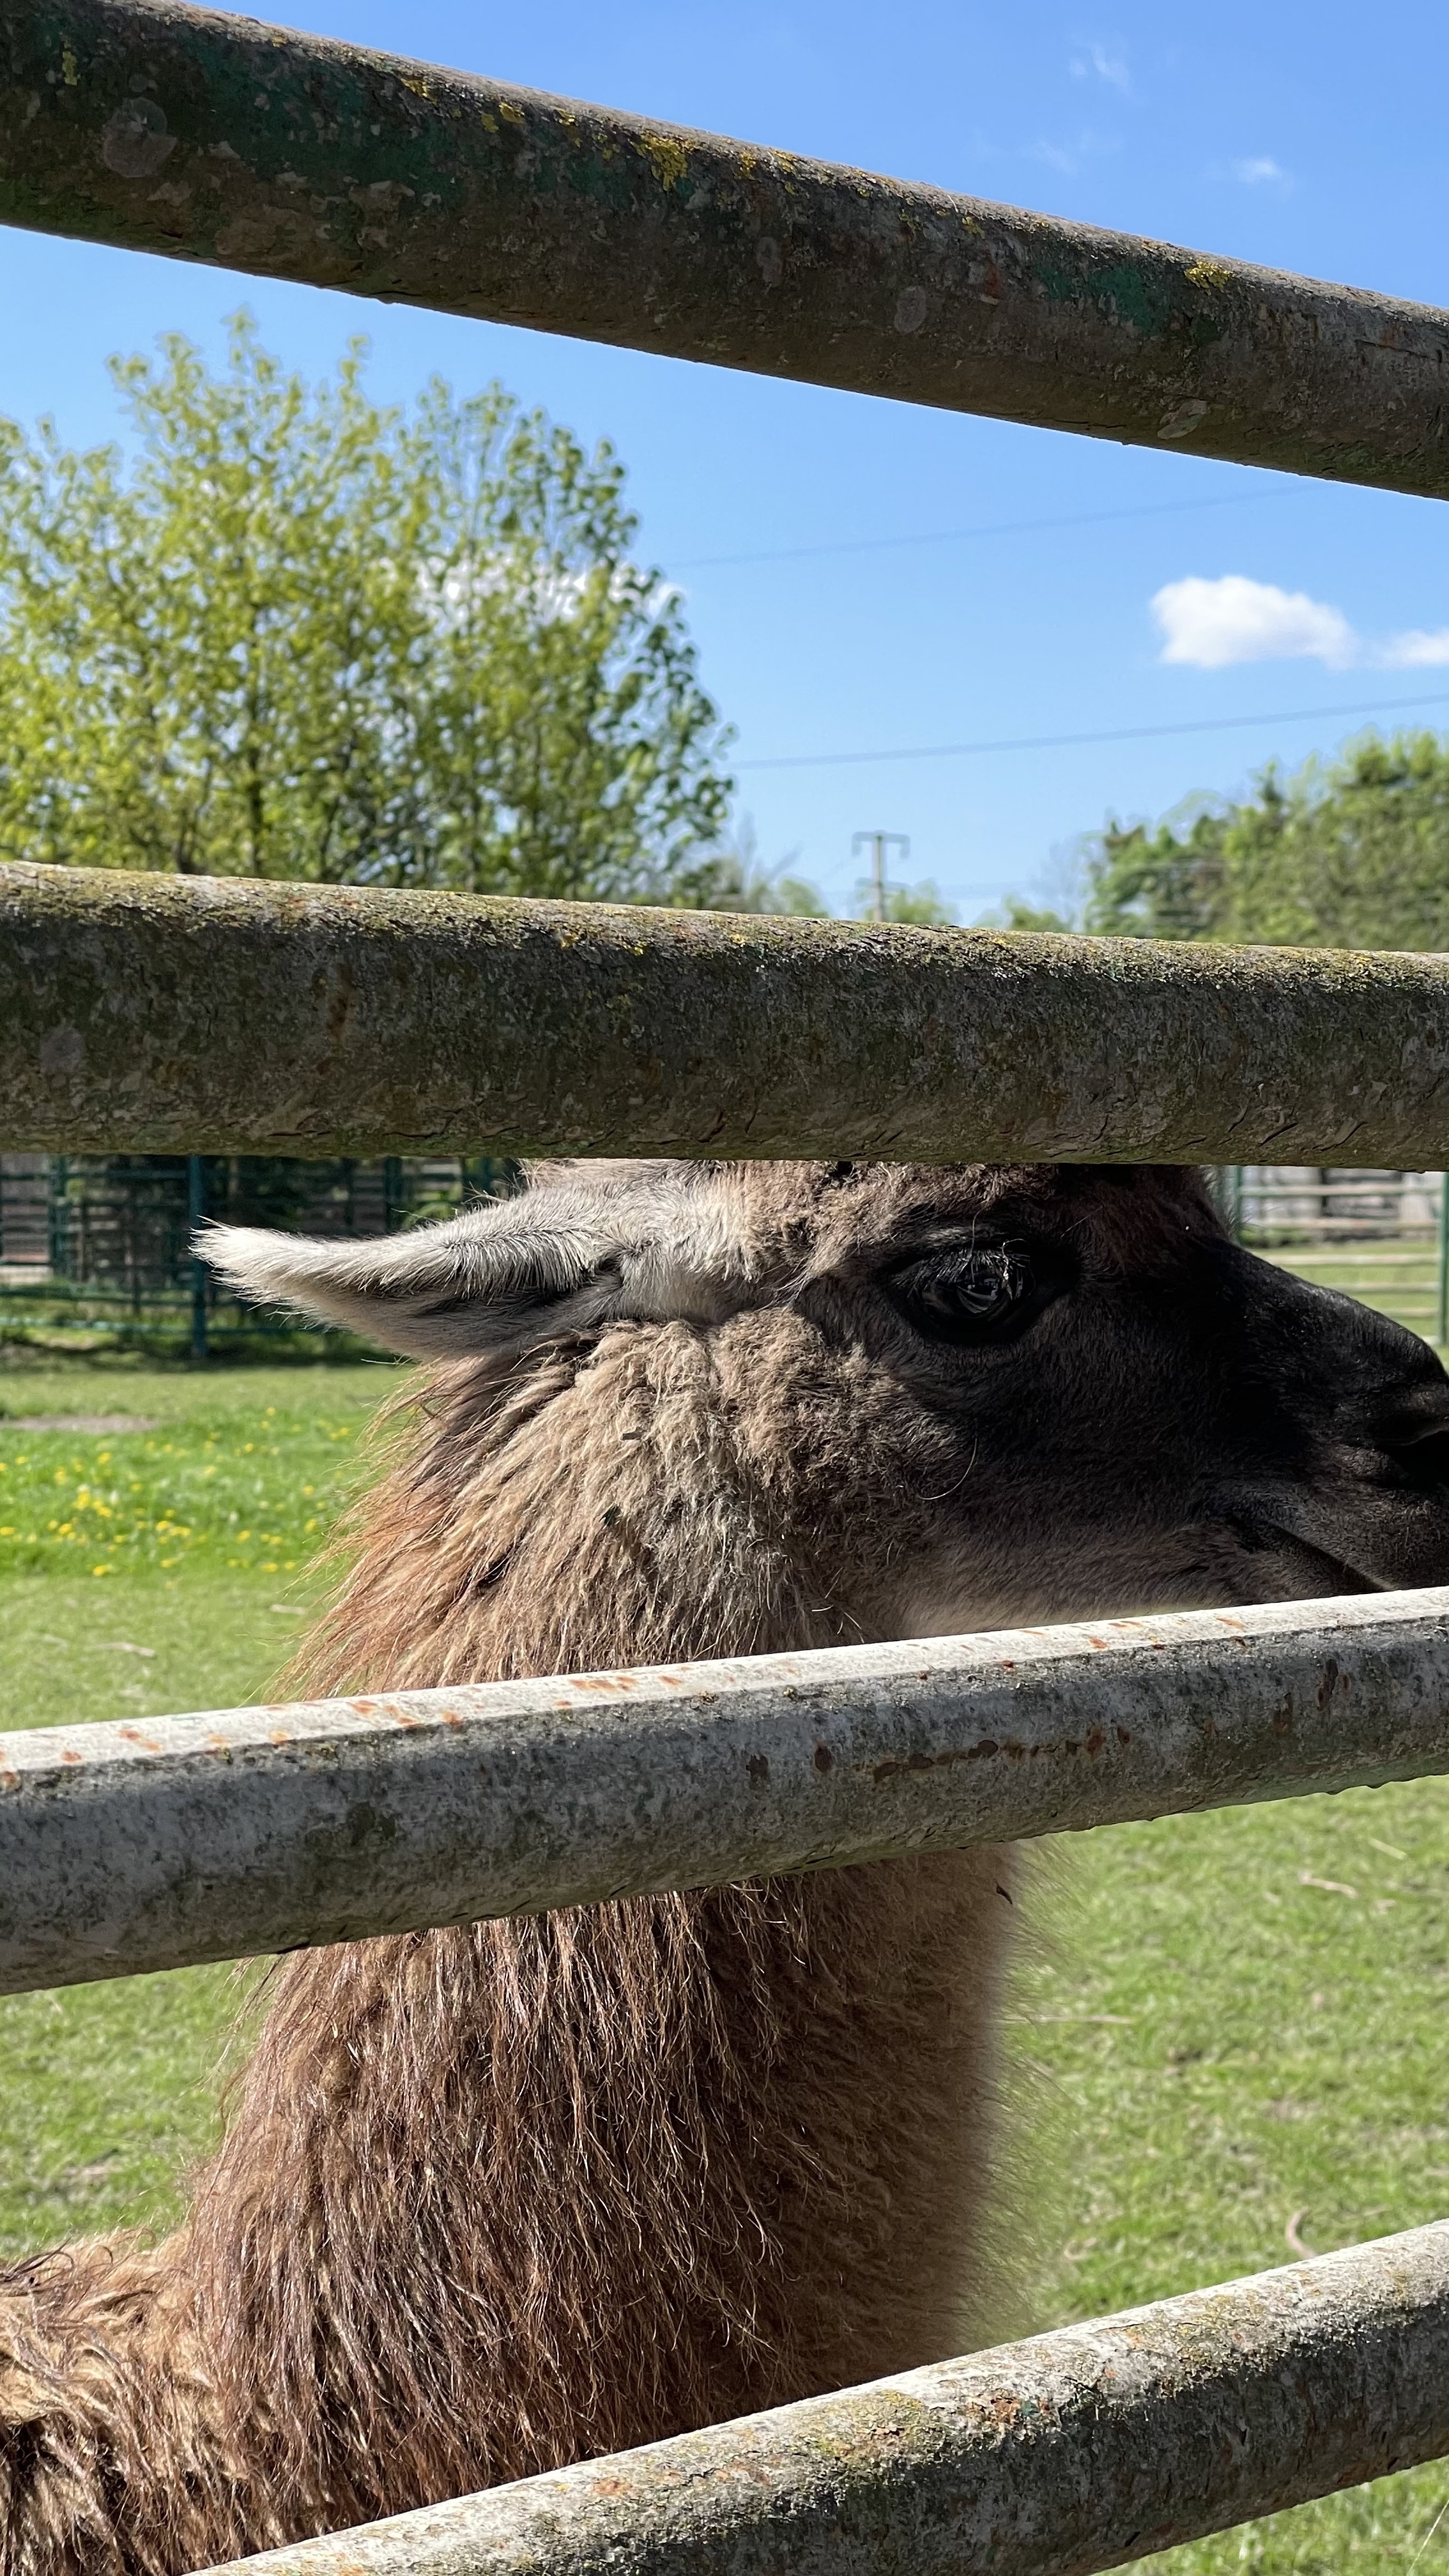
95,1250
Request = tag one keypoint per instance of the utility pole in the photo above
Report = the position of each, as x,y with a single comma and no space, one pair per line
878,843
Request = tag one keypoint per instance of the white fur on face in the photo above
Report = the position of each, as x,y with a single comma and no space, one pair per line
584,1245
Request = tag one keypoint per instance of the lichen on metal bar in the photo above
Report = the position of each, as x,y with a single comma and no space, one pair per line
135,1011
164,1841
1060,2456
210,137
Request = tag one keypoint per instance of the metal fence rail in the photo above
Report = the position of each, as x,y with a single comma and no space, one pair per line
137,1013
1055,2457
155,1843
213,138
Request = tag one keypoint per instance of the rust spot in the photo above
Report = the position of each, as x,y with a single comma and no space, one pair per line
339,1009
1283,1715
922,1762
1095,1741
69,1756
1328,1682
1122,1735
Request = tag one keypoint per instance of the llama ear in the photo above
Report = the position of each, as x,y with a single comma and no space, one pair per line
489,1282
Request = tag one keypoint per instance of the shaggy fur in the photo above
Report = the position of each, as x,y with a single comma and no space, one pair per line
498,2197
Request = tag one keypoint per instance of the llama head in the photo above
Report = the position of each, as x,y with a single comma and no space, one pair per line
940,1399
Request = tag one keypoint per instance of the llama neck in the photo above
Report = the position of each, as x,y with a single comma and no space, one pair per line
497,2197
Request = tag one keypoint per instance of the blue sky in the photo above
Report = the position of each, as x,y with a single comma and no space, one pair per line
865,577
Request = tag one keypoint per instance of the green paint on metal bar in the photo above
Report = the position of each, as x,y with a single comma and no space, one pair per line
163,128
203,1015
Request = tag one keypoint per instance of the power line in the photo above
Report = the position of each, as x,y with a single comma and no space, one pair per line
1066,741
990,528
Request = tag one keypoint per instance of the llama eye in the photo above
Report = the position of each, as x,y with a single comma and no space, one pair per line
972,1294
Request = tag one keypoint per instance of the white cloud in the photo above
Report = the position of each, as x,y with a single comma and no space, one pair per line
1213,623
1419,649
1069,157
1111,68
1257,173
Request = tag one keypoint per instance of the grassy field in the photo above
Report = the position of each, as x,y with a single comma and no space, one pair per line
1238,2032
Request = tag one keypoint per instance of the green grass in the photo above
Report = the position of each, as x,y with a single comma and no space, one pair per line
1216,2047
1221,2049
108,2092
217,1472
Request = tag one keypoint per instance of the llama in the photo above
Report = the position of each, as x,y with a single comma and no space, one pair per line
498,2197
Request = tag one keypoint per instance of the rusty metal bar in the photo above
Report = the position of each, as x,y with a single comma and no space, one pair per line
162,128
136,1012
1055,2457
156,1843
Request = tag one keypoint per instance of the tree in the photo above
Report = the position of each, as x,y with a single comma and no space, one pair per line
1015,913
297,634
1352,853
735,879
922,904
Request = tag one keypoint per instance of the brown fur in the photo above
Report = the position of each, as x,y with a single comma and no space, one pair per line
498,2197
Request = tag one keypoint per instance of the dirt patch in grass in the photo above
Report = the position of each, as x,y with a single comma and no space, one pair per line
105,1426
